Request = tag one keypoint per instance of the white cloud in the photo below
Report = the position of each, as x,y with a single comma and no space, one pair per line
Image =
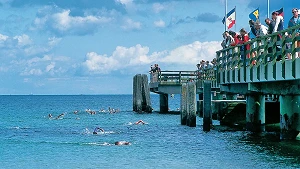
53,41
129,24
128,59
61,22
160,24
3,37
193,53
36,72
132,56
100,63
124,2
50,66
122,59
158,7
37,60
23,40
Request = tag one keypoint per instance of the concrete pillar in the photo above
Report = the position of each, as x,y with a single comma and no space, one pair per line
183,104
163,100
255,112
289,117
191,118
206,105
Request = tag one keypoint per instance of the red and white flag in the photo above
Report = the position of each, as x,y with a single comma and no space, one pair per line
230,20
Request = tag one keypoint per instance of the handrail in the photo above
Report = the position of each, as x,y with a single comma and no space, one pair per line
230,57
177,77
268,50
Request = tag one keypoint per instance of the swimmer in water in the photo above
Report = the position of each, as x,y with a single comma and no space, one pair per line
118,143
59,116
140,122
97,129
50,116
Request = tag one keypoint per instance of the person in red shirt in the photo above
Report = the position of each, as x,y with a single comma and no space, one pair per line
245,38
235,38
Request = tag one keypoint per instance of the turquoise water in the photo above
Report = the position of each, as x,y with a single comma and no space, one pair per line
29,139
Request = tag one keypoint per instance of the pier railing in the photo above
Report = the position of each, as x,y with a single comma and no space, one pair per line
260,53
179,77
172,77
207,74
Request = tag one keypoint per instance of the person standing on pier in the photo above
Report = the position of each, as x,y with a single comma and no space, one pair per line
295,20
245,38
278,19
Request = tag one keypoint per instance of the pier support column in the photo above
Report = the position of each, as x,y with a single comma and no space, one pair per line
207,119
191,106
255,113
163,100
289,116
199,111
183,104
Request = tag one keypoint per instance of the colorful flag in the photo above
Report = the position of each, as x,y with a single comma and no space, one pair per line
254,15
280,12
230,20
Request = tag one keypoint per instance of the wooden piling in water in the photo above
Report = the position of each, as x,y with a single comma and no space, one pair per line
207,117
164,103
183,104
146,95
191,118
141,94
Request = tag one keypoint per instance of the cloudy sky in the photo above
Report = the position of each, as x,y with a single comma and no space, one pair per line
97,46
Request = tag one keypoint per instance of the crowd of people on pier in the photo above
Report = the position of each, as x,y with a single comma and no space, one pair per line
203,66
154,69
257,29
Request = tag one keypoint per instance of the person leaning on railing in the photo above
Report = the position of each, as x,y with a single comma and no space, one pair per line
261,30
245,38
295,20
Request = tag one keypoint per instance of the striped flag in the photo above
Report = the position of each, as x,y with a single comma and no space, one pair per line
230,19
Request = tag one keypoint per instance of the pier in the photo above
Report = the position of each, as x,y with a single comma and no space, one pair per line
271,72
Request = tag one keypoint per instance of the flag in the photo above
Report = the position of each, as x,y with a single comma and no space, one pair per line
230,20
280,12
254,15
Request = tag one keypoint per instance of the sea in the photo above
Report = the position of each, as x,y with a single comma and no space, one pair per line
29,139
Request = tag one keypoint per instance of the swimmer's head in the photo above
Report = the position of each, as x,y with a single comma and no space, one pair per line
122,143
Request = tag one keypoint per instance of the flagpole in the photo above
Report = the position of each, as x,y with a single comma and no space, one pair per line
268,8
225,15
235,19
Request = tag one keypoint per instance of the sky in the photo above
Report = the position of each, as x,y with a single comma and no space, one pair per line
52,47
